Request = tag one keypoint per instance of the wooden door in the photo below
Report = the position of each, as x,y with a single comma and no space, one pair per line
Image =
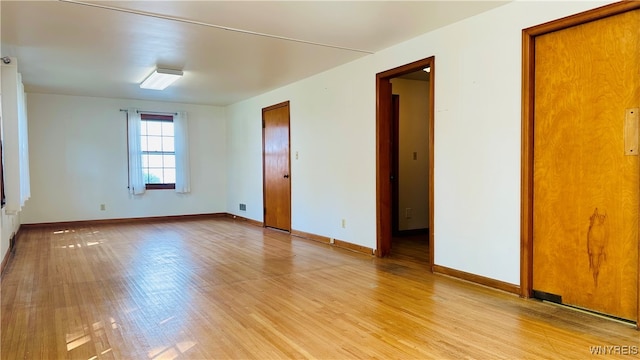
276,159
585,189
384,167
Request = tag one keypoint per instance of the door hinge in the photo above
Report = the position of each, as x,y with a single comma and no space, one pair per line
265,211
263,124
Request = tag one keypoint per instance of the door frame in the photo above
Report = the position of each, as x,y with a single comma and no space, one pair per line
383,155
395,165
264,181
528,101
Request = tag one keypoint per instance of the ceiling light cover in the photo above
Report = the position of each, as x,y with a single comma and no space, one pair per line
160,79
427,69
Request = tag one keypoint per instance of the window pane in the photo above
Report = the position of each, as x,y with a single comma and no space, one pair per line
169,175
154,143
155,161
143,143
154,127
169,161
167,128
158,159
154,176
167,144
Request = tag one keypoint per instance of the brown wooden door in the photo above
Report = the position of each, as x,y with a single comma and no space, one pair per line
276,158
585,189
384,168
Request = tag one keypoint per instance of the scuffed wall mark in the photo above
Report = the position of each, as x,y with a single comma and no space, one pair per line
597,238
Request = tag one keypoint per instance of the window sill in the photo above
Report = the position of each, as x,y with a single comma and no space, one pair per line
160,186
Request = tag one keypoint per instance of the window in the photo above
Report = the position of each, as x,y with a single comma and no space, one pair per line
158,151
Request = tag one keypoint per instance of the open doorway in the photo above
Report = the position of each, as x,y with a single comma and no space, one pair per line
410,165
404,188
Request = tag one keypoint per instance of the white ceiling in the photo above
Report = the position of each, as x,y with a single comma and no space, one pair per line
69,48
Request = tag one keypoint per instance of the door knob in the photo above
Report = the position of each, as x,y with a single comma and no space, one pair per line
286,176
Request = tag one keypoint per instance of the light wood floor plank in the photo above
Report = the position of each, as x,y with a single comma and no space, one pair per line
220,289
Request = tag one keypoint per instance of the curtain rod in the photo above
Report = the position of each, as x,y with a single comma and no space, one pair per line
153,112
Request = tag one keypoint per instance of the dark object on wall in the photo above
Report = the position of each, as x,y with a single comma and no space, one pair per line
2,199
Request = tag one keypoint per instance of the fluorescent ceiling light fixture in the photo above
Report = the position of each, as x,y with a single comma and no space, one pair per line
427,69
160,79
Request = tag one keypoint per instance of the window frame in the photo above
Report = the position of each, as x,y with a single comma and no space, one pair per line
158,117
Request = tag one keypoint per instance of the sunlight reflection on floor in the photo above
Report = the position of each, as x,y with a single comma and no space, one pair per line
170,353
63,231
89,334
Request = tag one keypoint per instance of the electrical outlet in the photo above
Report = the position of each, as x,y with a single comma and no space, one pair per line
296,155
344,223
103,207
408,212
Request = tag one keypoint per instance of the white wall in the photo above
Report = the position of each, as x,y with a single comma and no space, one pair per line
477,141
78,157
413,176
9,223
333,177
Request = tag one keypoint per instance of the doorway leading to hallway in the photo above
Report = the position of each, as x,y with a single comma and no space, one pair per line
404,183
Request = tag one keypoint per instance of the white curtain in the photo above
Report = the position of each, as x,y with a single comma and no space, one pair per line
15,139
181,133
136,178
25,182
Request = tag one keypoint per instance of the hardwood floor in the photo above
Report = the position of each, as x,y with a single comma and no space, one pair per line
215,289
411,247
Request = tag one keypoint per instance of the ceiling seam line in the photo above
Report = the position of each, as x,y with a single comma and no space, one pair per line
220,27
